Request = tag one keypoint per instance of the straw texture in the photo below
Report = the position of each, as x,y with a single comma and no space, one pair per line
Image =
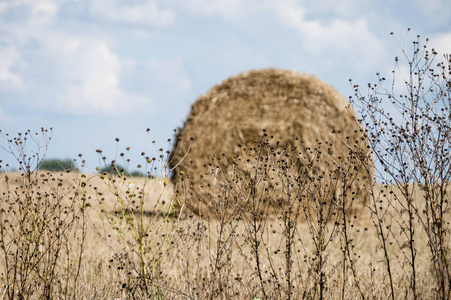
287,104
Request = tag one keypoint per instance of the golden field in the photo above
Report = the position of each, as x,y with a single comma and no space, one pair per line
112,242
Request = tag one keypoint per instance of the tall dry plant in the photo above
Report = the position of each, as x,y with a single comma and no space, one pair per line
285,187
408,125
42,225
141,223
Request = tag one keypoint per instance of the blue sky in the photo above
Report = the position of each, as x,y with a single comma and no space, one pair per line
100,69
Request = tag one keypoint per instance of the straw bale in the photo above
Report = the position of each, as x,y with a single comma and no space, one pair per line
285,103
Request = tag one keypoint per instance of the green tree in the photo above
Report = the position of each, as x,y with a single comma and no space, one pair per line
57,164
119,170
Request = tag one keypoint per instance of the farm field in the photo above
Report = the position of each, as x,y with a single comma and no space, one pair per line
305,209
110,242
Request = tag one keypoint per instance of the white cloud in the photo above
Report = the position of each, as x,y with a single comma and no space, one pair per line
231,10
41,11
436,12
333,40
89,74
4,117
143,13
3,7
171,72
73,65
9,57
227,9
48,66
325,31
165,80
442,43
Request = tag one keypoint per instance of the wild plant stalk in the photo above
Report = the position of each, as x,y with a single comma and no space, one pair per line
409,128
320,234
292,181
320,213
256,204
238,199
346,177
267,169
271,189
36,219
287,183
222,237
255,223
256,231
142,222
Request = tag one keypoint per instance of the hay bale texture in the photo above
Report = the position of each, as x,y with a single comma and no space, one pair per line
285,103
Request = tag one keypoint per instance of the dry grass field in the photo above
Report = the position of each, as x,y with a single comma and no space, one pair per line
192,257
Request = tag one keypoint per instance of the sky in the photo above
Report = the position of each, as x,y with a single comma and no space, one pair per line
97,70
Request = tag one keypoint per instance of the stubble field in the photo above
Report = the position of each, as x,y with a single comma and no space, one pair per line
113,243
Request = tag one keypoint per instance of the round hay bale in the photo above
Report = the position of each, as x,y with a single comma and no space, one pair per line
285,103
